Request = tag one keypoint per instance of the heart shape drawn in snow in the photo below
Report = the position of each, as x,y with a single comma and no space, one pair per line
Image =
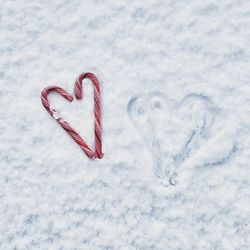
172,132
97,153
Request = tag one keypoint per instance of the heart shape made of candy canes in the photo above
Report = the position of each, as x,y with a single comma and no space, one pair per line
97,153
172,133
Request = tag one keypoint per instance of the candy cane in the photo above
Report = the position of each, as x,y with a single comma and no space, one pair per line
64,124
97,109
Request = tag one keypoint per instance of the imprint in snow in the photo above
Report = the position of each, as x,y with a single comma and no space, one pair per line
173,133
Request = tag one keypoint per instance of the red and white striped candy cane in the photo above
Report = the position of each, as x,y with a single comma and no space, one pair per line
62,123
97,108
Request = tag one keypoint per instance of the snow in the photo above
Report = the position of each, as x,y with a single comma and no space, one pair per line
176,128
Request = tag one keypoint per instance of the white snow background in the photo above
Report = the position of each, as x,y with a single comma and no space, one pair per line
53,197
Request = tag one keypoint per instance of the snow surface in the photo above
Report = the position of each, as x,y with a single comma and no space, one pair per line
175,81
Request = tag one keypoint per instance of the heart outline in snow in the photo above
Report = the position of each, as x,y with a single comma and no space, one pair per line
144,109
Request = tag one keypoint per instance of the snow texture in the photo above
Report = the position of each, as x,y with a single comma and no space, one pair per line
175,79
